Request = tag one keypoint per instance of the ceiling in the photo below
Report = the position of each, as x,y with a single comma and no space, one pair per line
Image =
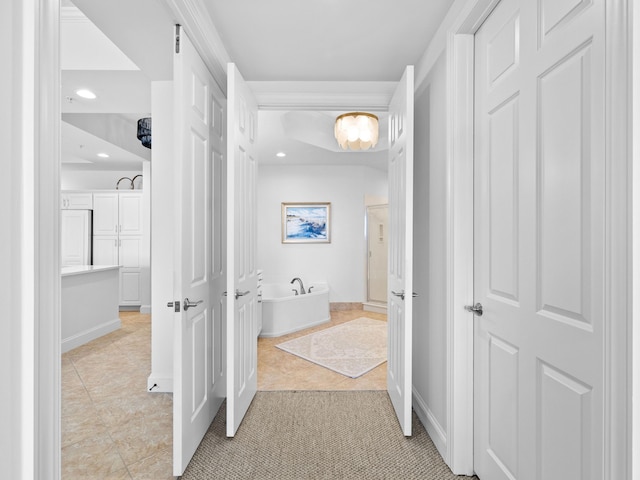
278,40
354,40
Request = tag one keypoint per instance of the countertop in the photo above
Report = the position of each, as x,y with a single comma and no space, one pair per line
82,269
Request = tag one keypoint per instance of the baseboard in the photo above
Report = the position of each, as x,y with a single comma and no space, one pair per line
431,424
129,308
91,334
373,307
145,309
159,384
341,306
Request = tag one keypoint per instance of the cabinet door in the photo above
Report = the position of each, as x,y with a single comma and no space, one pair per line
130,251
130,214
129,286
105,250
77,201
75,238
105,213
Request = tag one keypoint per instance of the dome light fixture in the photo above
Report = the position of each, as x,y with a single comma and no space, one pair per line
356,130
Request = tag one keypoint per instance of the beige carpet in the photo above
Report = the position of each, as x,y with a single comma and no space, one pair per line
351,349
318,435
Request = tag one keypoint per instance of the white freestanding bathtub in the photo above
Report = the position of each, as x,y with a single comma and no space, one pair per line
285,312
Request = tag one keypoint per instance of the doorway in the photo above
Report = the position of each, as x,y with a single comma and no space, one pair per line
312,168
377,255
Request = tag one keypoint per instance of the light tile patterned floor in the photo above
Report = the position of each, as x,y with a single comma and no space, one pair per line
112,428
279,370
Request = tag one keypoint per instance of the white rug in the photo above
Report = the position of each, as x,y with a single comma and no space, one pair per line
351,348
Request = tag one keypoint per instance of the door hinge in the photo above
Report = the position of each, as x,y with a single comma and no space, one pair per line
177,38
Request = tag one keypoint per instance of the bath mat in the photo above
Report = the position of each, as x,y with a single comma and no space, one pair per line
351,349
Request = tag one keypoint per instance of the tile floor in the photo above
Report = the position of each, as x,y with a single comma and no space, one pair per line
112,428
279,370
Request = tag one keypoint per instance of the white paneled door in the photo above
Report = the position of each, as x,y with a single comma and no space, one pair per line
199,278
539,233
400,283
242,282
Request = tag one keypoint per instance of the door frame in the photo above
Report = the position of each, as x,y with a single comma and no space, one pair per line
618,300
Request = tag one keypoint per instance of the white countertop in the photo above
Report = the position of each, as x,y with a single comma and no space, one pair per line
82,269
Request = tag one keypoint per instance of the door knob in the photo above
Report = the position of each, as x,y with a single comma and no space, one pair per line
187,304
476,309
241,294
398,294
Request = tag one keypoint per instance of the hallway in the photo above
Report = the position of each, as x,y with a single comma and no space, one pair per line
112,428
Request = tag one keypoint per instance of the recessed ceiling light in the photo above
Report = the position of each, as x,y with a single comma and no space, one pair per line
84,93
103,155
281,154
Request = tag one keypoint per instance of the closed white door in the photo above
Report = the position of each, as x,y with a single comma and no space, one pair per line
400,284
130,251
129,286
242,282
75,236
130,214
105,214
105,250
198,388
539,234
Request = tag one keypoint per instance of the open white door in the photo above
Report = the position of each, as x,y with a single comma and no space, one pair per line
199,277
400,286
540,236
242,280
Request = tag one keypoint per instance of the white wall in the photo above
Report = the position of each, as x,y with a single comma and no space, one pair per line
71,179
161,240
429,334
342,262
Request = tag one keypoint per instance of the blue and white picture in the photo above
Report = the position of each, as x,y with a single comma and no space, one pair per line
306,222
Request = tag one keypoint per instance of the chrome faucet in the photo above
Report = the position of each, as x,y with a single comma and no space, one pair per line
302,290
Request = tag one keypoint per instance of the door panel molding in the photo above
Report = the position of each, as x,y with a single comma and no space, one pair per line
618,358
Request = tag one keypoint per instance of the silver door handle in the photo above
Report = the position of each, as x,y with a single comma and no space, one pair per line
242,294
476,309
187,304
398,294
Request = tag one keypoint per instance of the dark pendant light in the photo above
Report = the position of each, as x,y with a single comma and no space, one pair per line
144,131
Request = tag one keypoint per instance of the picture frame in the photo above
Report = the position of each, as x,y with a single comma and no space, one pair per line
306,222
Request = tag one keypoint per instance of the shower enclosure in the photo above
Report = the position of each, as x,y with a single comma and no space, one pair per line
377,254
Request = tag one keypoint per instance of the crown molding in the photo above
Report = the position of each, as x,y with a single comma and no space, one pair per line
72,15
322,95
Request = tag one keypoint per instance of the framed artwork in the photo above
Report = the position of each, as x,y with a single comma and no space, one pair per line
306,222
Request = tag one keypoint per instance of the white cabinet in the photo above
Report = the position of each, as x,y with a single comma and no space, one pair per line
130,214
117,239
105,250
75,237
76,201
105,214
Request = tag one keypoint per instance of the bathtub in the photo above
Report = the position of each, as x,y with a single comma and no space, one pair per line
284,312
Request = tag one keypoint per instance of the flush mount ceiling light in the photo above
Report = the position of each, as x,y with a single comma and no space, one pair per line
84,93
281,154
103,155
356,130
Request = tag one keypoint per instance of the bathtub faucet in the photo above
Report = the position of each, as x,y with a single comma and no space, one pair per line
302,290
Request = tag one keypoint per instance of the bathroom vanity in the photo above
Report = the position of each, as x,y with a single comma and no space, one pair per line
89,303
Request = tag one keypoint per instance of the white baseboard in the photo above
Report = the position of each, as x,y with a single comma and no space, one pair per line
373,307
431,424
157,384
145,309
91,334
